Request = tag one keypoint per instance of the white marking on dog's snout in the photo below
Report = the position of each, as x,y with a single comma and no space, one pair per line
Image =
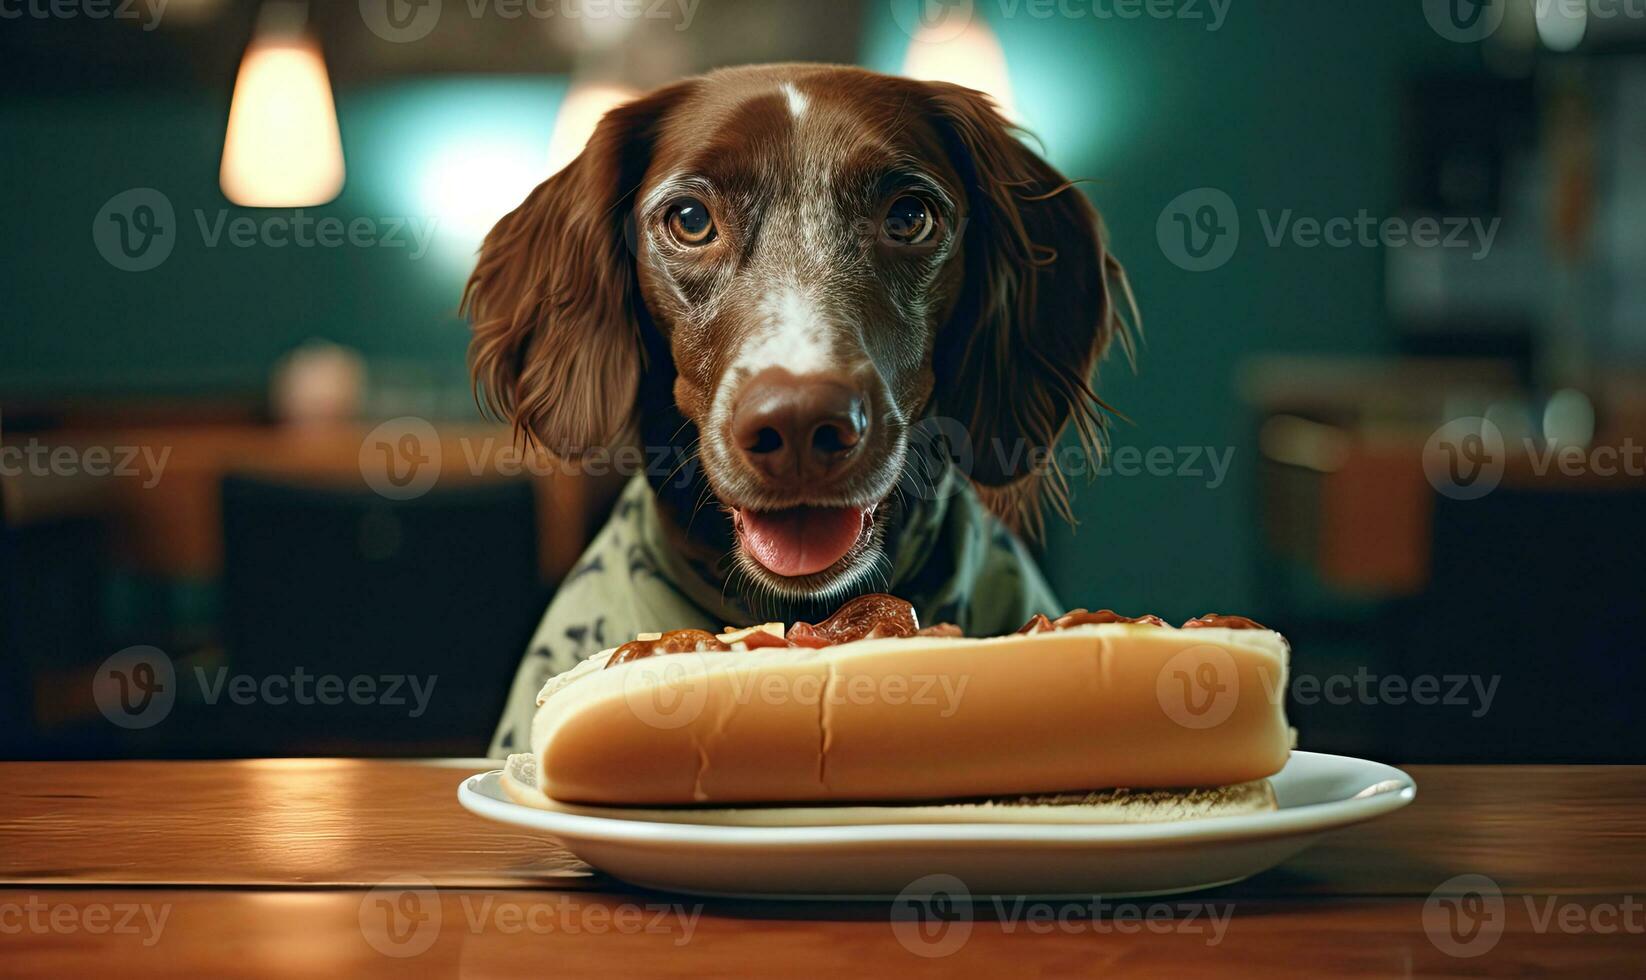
797,100
791,332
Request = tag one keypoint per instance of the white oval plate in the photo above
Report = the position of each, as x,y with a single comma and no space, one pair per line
1316,792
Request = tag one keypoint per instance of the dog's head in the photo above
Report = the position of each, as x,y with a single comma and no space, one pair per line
826,255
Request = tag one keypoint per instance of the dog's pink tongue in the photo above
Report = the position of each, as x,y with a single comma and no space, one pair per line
801,540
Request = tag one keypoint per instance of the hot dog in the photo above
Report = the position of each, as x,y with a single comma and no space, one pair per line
869,708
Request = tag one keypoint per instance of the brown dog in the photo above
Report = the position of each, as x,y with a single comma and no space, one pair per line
796,264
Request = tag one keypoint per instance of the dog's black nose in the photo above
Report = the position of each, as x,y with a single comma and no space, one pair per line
799,428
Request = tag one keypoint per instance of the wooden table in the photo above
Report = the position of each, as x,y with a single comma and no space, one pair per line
349,868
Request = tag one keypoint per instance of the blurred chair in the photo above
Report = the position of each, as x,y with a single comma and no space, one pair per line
1545,589
345,582
16,706
53,580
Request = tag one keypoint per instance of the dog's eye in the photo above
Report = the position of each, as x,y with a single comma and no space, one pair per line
691,223
909,221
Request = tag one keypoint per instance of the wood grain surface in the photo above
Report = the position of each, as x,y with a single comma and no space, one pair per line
365,868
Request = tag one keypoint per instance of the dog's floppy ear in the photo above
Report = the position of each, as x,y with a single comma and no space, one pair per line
1041,301
556,348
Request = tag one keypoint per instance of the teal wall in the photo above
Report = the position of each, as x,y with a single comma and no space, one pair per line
1293,104
214,317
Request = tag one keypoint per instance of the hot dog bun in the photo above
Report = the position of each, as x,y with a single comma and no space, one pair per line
919,718
1110,806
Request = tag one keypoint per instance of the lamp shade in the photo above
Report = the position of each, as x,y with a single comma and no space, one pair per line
282,149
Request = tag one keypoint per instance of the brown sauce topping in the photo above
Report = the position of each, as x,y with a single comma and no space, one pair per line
1080,617
865,617
1039,624
1227,622
811,641
880,615
674,641
762,640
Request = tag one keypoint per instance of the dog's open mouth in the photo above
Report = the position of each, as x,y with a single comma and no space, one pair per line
798,541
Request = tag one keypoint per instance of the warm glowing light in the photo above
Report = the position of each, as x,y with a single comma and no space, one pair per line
473,181
282,149
482,172
973,58
1569,419
1562,25
578,116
